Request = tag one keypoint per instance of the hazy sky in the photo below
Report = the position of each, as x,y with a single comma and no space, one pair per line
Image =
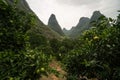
68,12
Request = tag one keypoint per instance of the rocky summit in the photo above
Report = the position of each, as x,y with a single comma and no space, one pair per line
54,25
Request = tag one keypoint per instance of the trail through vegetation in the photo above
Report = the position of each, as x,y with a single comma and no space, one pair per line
95,54
56,65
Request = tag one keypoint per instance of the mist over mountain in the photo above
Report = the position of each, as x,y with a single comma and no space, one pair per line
83,24
53,30
54,25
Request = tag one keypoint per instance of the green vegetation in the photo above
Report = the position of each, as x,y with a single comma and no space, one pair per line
25,53
97,53
17,60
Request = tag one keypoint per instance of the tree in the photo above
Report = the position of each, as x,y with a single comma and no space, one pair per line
98,54
17,60
14,24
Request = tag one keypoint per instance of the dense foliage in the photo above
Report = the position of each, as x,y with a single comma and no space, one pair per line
97,53
13,27
25,54
17,60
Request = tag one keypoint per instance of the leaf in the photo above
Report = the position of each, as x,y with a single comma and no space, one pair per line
110,19
3,2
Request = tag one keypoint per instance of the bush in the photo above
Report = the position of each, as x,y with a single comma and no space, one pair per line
98,52
14,24
17,60
24,65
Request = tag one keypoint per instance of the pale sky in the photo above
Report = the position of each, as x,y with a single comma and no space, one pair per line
68,12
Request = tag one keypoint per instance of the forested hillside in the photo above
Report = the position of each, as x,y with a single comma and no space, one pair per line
30,50
39,28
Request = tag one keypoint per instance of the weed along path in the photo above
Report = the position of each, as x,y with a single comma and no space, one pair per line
56,65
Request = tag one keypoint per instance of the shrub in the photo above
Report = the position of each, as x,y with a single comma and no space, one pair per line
17,60
98,52
24,65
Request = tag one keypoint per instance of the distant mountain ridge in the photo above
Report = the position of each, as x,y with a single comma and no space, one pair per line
53,30
39,28
54,25
83,24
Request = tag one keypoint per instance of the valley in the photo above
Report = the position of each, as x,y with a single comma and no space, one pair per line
31,50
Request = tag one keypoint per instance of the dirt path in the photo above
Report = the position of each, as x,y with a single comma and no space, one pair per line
56,66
